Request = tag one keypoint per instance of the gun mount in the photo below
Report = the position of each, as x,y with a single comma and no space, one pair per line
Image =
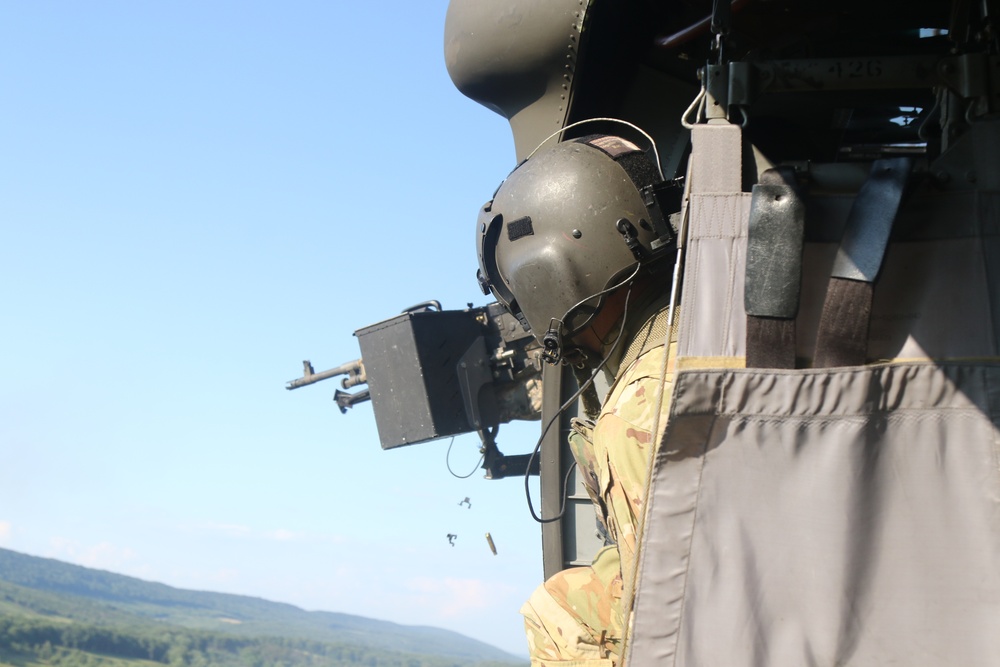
433,373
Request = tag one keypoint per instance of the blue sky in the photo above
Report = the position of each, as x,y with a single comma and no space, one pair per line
194,197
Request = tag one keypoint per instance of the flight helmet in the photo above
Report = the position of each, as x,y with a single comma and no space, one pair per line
567,226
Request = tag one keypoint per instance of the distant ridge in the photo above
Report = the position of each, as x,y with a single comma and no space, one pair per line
38,587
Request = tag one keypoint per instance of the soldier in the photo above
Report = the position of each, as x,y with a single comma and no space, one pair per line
573,245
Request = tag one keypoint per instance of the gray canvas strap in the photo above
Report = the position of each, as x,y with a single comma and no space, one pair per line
713,323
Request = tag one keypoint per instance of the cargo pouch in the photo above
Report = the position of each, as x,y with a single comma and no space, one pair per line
846,515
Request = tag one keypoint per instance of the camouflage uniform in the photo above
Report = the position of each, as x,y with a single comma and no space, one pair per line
575,618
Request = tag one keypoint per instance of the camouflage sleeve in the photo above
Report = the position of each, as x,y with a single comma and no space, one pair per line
622,444
574,619
581,445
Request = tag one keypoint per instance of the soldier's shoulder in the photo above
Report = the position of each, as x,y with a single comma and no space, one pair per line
635,388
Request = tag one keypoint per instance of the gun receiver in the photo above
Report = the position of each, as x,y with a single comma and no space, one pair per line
433,373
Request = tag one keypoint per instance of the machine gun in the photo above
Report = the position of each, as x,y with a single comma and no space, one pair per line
432,373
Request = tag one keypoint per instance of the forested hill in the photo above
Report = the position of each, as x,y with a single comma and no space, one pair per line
45,597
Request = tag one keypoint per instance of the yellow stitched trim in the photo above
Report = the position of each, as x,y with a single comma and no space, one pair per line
924,360
690,363
708,363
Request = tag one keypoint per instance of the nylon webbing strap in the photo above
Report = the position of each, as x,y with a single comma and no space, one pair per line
652,333
842,338
770,342
773,269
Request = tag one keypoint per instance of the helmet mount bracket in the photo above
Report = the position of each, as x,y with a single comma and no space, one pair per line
631,238
552,343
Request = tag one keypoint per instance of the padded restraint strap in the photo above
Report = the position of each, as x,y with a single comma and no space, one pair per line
774,269
842,339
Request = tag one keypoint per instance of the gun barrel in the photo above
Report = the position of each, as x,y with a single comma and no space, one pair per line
309,377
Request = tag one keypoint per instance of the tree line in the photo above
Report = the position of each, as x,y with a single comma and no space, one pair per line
69,644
